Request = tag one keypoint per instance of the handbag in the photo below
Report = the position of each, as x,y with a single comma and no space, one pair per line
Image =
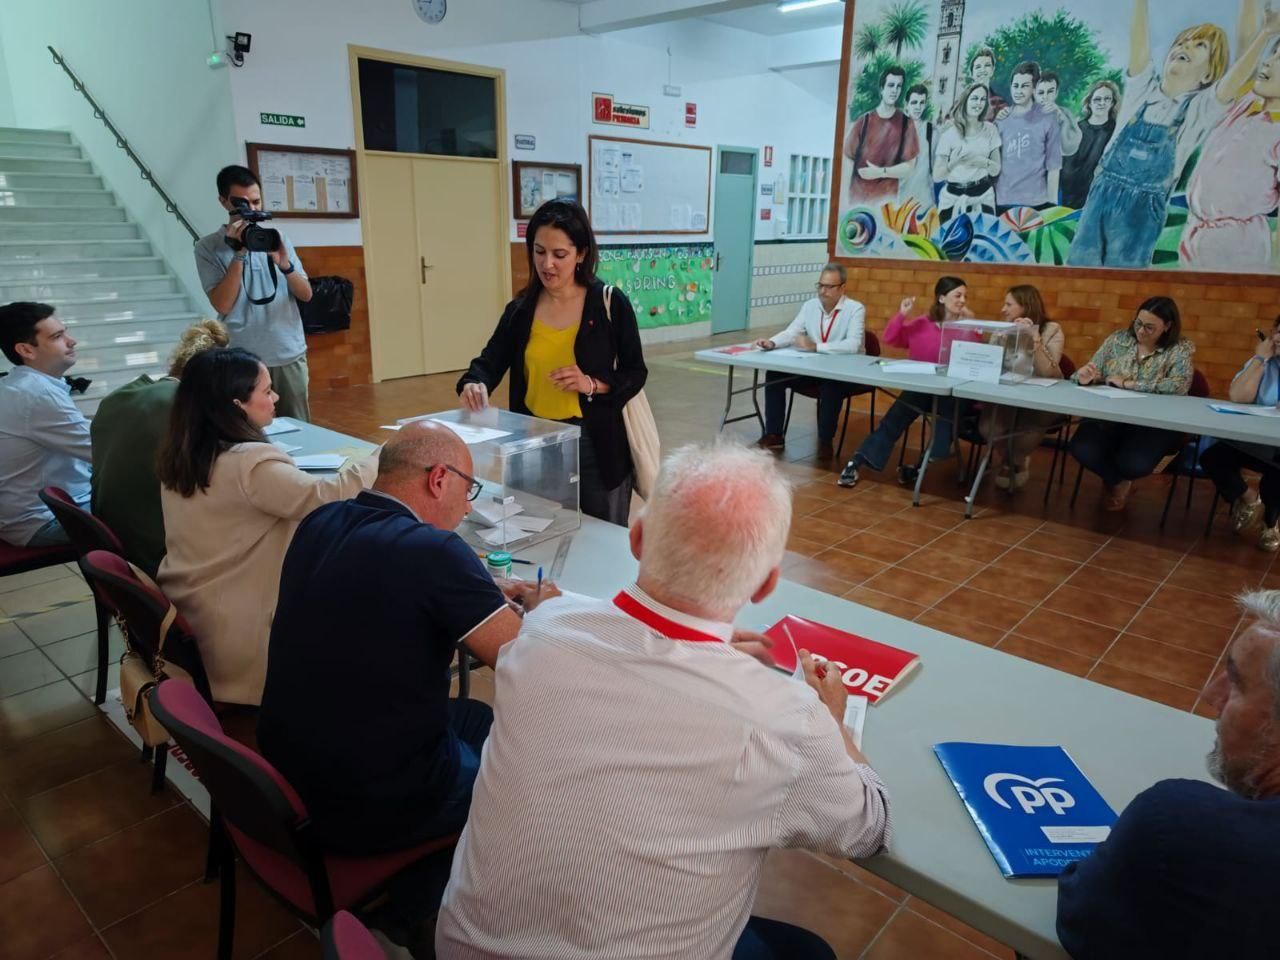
642,429
137,676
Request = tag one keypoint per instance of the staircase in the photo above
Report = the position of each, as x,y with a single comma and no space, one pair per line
66,241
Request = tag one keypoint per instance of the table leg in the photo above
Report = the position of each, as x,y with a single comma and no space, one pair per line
728,401
924,461
730,393
1013,467
755,398
977,482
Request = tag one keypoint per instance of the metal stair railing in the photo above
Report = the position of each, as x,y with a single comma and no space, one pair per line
123,144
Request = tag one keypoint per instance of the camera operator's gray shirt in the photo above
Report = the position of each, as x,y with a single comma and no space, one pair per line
273,330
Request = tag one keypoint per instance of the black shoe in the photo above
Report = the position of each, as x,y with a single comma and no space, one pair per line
849,475
772,441
907,476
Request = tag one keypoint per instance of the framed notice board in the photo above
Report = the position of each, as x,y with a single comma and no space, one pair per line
315,182
533,184
646,186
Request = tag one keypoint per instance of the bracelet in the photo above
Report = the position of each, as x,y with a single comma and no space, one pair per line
592,392
242,257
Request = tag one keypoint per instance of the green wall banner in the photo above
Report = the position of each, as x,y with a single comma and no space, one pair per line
667,286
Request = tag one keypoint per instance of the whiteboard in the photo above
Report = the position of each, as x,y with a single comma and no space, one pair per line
643,186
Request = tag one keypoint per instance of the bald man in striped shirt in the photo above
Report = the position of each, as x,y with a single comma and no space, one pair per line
642,763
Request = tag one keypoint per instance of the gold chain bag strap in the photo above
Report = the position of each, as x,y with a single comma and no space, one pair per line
642,429
137,676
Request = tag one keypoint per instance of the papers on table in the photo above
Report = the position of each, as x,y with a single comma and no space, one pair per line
320,461
492,512
1248,409
737,348
1041,381
496,536
281,425
908,366
792,352
286,447
471,433
1112,393
529,524
855,717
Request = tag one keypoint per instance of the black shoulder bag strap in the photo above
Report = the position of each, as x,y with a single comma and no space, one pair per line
275,282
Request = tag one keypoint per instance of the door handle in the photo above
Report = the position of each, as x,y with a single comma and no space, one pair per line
718,255
425,267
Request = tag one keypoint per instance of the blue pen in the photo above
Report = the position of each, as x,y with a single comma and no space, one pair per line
538,593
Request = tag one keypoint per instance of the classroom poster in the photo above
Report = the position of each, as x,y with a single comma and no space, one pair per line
1103,133
668,286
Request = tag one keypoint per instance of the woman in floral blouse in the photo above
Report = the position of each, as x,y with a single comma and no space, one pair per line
1150,356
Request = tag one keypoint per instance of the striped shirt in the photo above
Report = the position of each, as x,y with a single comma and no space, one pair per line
632,784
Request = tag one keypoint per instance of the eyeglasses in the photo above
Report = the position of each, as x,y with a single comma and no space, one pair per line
475,485
1146,327
828,286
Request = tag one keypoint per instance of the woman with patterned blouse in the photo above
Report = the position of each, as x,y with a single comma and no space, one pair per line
1150,356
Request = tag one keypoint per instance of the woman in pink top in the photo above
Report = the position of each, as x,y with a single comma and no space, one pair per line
922,337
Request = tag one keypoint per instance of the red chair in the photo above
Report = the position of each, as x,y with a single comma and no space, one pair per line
263,818
86,533
871,347
346,938
142,608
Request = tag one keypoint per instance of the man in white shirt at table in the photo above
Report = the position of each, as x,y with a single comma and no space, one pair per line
642,764
827,323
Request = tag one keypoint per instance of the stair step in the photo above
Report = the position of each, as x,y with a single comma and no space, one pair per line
43,251
103,359
52,181
55,197
83,268
62,215
164,329
70,231
11,164
40,151
96,288
127,308
28,135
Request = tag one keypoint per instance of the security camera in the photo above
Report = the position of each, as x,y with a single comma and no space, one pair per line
237,46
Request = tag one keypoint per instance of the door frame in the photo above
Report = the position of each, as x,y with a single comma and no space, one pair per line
368,226
755,193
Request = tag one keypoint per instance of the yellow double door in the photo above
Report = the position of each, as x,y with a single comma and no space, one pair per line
436,260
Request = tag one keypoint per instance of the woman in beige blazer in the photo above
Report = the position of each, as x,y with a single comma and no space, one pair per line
231,501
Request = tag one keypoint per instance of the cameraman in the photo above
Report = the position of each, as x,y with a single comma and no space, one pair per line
256,294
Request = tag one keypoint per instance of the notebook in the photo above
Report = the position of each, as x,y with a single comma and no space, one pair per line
869,669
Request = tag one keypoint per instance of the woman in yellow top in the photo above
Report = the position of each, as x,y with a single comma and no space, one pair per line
569,359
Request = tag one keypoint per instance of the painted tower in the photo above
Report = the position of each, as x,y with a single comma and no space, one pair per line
948,71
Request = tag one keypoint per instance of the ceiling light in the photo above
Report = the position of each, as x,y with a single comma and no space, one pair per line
790,6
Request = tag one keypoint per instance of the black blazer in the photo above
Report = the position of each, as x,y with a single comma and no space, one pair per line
597,344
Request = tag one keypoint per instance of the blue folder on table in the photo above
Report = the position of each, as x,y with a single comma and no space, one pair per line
1034,808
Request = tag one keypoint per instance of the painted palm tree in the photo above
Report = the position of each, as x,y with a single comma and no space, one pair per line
868,41
904,25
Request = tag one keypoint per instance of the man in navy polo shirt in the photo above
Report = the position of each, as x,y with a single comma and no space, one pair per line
376,594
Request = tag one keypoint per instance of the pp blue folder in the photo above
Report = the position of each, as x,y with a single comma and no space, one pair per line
1034,808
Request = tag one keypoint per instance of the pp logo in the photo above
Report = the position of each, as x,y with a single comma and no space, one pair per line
1030,794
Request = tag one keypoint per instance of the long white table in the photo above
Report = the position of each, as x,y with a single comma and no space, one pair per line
962,691
843,367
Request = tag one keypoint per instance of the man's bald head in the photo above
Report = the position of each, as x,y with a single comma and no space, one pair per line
427,467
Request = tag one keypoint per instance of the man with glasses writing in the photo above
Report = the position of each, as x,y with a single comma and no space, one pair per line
376,594
827,323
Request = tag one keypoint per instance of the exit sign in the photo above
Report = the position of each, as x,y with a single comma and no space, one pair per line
282,120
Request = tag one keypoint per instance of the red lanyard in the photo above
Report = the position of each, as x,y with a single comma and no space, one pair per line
830,326
658,623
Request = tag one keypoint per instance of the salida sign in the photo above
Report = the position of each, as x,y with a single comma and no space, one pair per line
604,109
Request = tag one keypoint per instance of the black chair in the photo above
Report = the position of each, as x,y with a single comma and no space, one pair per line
87,533
870,346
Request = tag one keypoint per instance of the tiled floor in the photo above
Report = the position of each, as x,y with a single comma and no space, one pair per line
93,866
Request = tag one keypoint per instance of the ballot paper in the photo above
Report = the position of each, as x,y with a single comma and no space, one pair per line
855,717
909,366
529,524
1041,381
793,352
1112,393
1248,409
320,461
281,425
492,512
470,433
496,536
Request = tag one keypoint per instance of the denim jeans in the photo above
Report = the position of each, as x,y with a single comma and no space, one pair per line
764,939
1120,451
50,535
831,394
877,447
1222,463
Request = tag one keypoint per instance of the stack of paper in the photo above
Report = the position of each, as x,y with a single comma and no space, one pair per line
1112,393
496,536
280,425
1248,409
320,461
491,512
908,366
286,447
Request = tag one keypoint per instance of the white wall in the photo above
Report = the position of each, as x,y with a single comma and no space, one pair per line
7,118
144,61
299,66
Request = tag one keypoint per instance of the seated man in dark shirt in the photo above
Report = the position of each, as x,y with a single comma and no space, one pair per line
1190,870
376,594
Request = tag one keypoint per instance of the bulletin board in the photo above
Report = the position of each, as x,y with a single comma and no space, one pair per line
648,187
314,182
533,184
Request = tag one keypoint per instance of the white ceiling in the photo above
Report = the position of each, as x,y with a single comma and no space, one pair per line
766,19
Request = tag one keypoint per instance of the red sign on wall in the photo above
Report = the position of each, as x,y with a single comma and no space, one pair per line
604,109
690,114
522,229
768,156
766,213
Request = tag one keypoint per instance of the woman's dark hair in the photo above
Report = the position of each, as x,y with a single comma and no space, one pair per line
569,216
937,313
205,419
1032,304
1166,310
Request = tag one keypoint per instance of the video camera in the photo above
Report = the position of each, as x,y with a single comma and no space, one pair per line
255,238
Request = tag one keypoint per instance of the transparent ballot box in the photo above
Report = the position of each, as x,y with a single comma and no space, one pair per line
529,471
1014,339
